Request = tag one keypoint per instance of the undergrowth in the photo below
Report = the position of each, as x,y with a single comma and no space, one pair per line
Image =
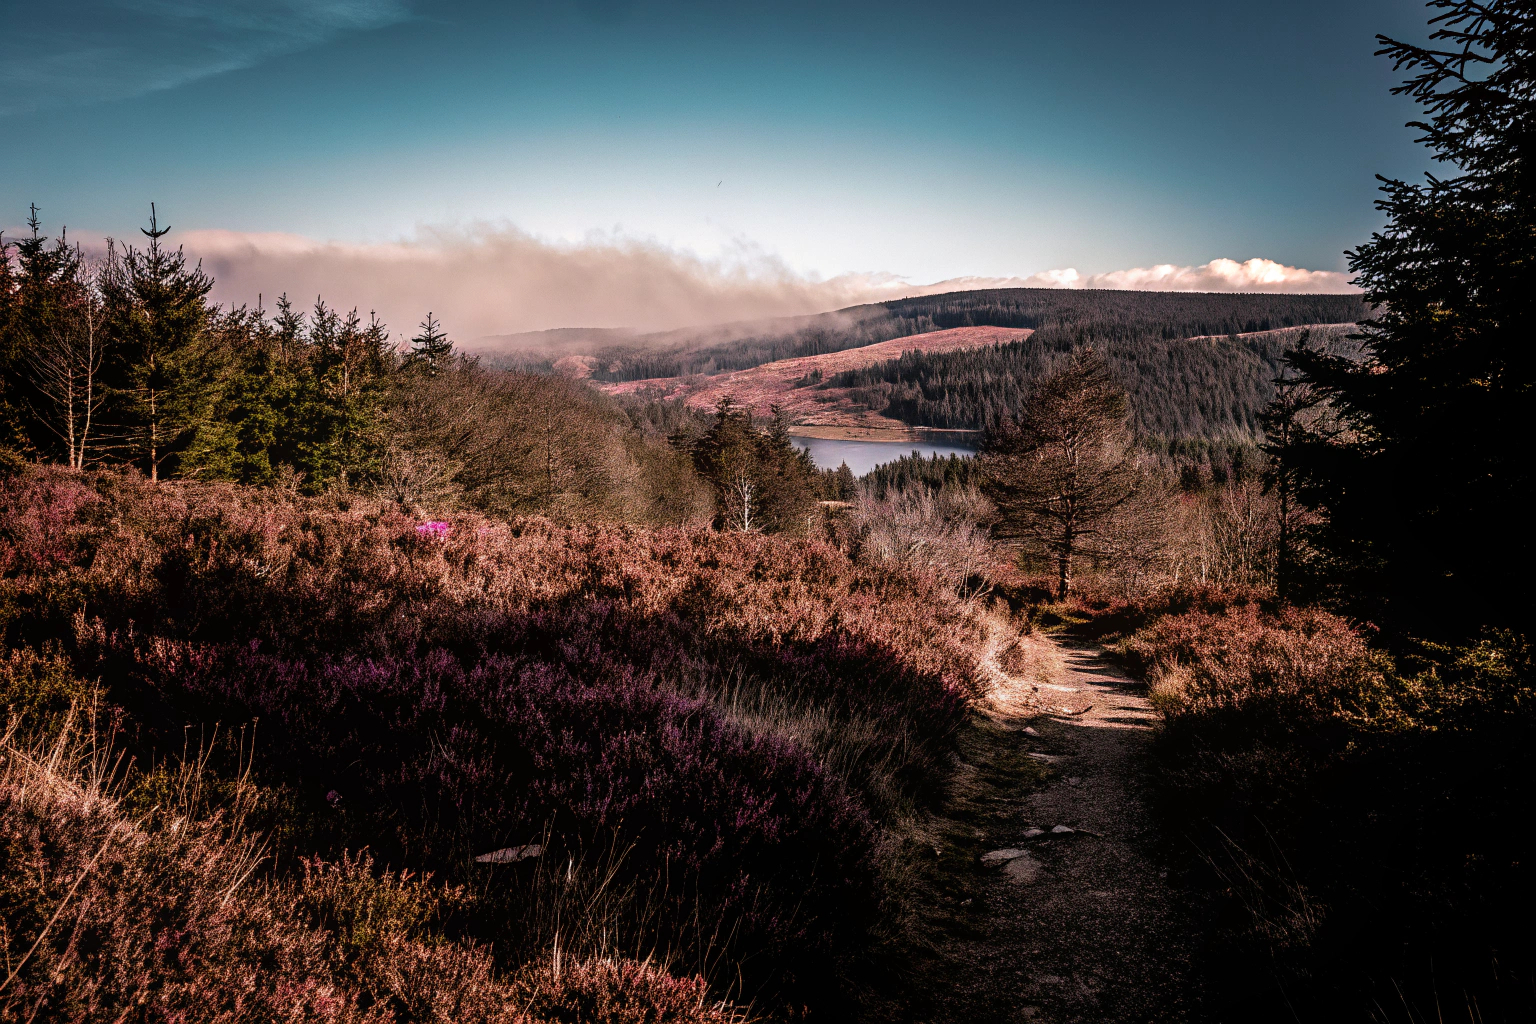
718,743
1359,806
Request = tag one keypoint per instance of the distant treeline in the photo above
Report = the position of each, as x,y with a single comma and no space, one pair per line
916,470
1081,317
1179,385
1088,316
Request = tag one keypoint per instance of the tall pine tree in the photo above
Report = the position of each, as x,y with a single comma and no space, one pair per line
39,294
157,316
1427,495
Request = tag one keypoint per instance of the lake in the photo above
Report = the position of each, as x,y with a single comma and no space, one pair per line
863,456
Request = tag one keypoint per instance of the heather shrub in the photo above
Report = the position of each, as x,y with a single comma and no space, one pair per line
1304,663
107,916
1351,809
40,688
433,764
164,915
726,728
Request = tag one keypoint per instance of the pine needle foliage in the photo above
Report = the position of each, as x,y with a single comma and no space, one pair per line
1437,451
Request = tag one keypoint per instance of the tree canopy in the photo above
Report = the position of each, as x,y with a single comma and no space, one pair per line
1062,469
1426,493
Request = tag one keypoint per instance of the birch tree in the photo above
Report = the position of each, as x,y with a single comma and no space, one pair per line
65,365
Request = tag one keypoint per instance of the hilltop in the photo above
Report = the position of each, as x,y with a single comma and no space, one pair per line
1088,316
1197,365
796,385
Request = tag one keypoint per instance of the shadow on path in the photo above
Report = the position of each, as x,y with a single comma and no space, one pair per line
1080,925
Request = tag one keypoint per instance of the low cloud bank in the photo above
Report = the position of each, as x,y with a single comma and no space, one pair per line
1221,275
485,281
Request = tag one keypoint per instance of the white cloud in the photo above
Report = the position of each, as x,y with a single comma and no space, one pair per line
495,280
1220,275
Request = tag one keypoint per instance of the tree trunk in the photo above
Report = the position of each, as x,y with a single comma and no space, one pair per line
1063,576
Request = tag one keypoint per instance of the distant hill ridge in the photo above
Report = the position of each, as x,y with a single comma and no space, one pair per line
1085,316
796,385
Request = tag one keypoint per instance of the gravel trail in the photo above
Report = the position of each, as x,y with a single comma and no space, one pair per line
1081,925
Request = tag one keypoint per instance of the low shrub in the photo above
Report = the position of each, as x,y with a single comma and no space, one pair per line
1353,810
1303,664
724,727
432,764
164,916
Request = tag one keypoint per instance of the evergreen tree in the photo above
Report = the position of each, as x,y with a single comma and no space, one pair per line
292,404
431,350
1060,472
352,361
1427,494
762,480
1292,429
12,439
254,405
288,332
157,317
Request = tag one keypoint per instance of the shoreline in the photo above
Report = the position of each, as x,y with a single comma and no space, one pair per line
887,435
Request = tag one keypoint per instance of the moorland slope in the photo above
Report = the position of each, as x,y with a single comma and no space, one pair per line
796,385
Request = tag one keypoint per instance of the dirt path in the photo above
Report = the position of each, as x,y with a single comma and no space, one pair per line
1080,925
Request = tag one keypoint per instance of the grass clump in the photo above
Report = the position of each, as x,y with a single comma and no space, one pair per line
165,915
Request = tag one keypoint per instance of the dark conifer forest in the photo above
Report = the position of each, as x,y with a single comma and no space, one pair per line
1180,386
1060,316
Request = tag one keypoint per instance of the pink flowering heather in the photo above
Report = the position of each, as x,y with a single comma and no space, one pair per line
726,725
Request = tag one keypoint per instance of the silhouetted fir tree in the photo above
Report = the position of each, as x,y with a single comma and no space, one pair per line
1427,495
431,350
157,315
1291,431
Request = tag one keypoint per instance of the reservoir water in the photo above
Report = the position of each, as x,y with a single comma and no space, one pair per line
863,456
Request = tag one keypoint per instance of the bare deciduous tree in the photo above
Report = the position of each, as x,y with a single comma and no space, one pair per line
934,532
65,366
742,495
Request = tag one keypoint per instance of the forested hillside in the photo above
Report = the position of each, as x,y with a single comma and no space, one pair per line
1179,386
1082,317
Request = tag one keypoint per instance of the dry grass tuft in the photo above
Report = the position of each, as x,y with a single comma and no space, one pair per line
161,915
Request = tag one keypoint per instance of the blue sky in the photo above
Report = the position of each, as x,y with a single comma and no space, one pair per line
927,140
